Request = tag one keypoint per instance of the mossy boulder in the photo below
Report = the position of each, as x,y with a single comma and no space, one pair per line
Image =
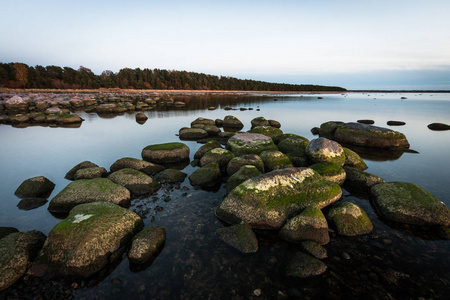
90,173
137,182
31,203
275,123
240,236
69,119
370,136
146,244
35,187
87,240
408,203
259,121
325,150
360,182
82,165
267,201
250,143
295,148
331,172
352,159
206,176
243,174
166,153
267,130
192,133
247,159
310,224
301,265
349,219
203,121
89,190
170,176
218,155
277,139
315,249
328,129
218,122
212,130
274,160
17,251
213,144
137,164
232,123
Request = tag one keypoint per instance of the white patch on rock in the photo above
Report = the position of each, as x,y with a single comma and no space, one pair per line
79,218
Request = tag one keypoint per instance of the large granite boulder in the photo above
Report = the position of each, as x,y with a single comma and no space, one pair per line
349,219
370,136
89,190
247,159
137,182
192,133
206,176
232,123
87,240
146,244
352,159
295,148
240,236
267,201
137,164
243,174
267,130
274,160
250,143
325,150
166,153
17,251
408,203
35,187
360,182
301,265
82,165
331,172
310,225
218,155
213,144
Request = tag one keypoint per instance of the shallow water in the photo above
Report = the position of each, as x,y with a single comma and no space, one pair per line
396,261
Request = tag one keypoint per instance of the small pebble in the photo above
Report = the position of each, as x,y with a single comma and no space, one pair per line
257,292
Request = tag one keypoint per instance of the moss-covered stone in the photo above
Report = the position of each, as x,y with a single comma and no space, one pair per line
315,249
137,182
301,265
277,139
213,144
408,203
247,159
206,176
170,176
31,203
82,165
352,159
86,241
212,130
239,236
310,224
68,119
202,121
17,250
232,123
192,133
166,153
18,118
293,145
89,190
331,172
349,219
267,201
243,174
250,143
141,117
360,182
4,231
370,136
275,123
328,129
259,121
146,244
325,150
267,130
274,160
90,173
137,164
35,187
218,155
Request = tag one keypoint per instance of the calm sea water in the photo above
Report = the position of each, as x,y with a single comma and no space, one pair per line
394,261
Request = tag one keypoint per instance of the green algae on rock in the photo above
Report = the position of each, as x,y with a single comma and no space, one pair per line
274,159
166,153
267,201
137,164
267,130
325,150
277,139
90,173
206,176
408,203
146,244
206,147
192,133
247,159
259,121
352,159
240,236
250,143
331,172
170,176
360,182
243,174
349,219
82,165
137,182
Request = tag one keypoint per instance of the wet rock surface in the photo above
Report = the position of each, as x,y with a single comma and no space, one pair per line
166,153
250,143
82,165
137,182
146,244
325,150
35,187
349,219
240,236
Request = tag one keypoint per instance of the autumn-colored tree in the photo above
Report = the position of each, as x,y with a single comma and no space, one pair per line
21,73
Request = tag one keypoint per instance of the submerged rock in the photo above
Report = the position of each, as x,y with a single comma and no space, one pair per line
166,153
146,244
89,190
31,203
237,163
243,174
275,123
206,176
192,133
141,117
315,249
137,182
239,236
408,203
277,139
82,165
395,123
35,187
364,121
352,159
267,201
325,150
17,251
87,240
302,265
349,219
250,143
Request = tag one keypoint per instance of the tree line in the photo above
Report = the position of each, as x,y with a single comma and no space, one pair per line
20,75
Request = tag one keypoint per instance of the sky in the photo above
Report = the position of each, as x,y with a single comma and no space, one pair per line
401,44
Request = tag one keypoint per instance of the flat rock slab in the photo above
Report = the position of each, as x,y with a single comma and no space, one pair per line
35,187
146,244
302,265
267,201
239,236
89,190
370,136
408,203
166,153
84,242
250,143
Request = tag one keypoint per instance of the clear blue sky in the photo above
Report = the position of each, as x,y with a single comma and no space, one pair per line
396,44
